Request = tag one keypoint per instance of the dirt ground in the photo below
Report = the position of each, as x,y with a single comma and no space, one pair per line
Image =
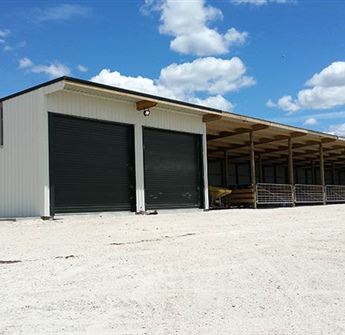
241,271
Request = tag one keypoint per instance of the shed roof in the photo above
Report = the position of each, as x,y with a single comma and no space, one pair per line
226,132
271,141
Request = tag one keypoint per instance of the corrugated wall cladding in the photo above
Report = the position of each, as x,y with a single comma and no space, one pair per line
119,111
22,163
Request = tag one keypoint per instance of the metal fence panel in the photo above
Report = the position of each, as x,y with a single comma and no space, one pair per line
335,193
308,193
267,194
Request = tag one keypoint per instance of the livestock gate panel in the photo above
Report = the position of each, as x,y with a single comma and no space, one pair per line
308,193
273,194
335,193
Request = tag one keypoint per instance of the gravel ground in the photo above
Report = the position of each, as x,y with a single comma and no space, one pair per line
240,271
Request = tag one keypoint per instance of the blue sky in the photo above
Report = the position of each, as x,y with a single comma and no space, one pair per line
276,60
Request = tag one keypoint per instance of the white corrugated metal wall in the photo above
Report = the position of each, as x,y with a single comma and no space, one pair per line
24,174
121,111
20,161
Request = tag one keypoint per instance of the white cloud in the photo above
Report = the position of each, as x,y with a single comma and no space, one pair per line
217,102
62,12
53,70
8,48
321,97
298,118
15,47
211,75
285,103
270,103
82,68
25,62
338,129
255,2
139,83
176,16
208,76
233,36
4,33
260,2
311,121
333,75
328,91
188,22
21,45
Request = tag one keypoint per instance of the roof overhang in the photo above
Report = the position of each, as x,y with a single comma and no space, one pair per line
230,137
227,133
141,100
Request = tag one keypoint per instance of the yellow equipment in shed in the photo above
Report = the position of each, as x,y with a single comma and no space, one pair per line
217,196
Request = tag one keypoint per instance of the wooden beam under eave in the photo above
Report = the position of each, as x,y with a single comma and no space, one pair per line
261,141
224,134
265,140
211,117
328,140
307,144
316,152
297,134
259,126
280,148
145,104
333,155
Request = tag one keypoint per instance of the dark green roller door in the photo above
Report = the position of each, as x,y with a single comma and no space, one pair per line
173,169
91,165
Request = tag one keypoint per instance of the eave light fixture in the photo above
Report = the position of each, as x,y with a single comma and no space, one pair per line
145,105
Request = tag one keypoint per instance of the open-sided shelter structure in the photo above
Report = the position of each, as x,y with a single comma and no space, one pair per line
70,146
267,163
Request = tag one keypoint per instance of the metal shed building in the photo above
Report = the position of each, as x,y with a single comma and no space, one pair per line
70,146
75,146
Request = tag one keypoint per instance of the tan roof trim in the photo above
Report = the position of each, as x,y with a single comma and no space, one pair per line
211,117
142,104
